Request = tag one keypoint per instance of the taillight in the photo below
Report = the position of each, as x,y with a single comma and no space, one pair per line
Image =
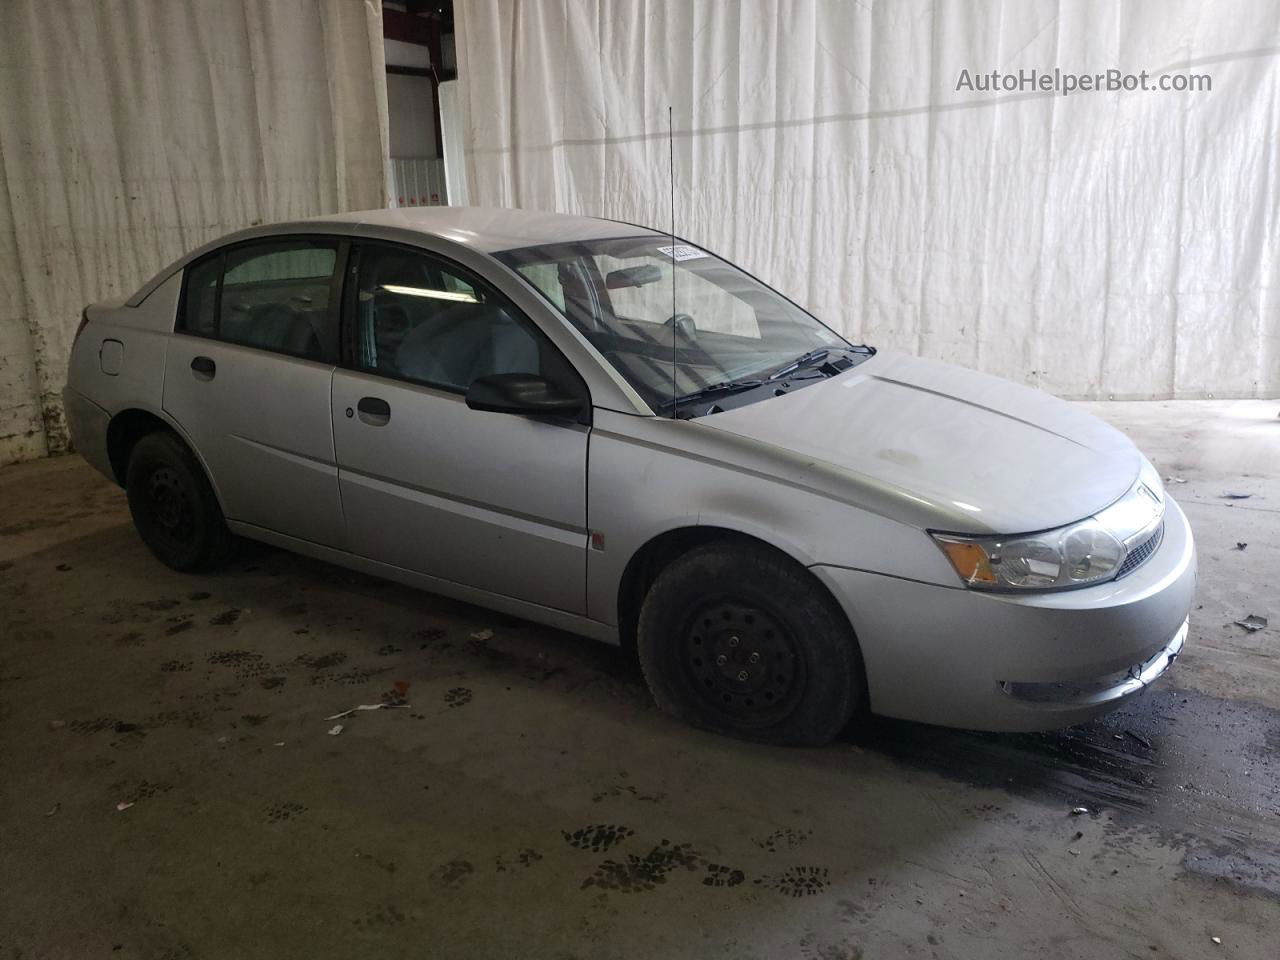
84,319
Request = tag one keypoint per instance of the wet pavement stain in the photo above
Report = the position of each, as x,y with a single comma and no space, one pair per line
1201,772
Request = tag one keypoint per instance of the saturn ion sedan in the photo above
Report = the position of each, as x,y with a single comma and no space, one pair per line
591,425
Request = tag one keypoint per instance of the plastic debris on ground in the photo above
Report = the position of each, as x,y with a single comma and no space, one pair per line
1236,496
391,699
336,729
1174,480
52,810
395,697
1077,811
482,635
124,805
1252,622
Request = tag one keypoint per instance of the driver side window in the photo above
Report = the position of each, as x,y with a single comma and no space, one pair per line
420,318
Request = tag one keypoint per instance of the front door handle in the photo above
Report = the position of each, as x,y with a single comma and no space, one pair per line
204,368
374,411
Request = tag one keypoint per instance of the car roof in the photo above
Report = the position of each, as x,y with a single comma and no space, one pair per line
483,229
486,229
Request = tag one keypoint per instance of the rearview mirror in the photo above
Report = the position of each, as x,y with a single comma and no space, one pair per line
522,393
632,276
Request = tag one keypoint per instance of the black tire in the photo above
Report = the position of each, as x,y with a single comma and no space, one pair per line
173,506
715,607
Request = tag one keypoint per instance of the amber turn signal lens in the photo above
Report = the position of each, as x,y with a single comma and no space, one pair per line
970,561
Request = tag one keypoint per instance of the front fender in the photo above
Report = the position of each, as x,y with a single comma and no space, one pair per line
643,483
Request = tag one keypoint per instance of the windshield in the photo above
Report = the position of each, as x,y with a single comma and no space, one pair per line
722,325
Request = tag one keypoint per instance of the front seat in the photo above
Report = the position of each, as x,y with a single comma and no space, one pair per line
457,345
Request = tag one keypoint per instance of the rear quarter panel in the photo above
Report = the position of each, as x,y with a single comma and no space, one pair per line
143,332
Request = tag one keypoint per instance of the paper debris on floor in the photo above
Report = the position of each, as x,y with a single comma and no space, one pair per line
124,805
336,729
364,706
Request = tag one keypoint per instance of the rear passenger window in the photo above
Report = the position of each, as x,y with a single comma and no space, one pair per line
272,295
417,318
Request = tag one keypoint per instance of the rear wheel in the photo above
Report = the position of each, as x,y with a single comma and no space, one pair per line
738,639
173,506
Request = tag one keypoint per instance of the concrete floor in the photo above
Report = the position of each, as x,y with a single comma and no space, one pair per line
531,802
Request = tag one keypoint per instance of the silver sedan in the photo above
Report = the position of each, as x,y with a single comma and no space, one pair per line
591,425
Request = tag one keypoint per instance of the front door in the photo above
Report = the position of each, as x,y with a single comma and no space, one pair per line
248,375
488,500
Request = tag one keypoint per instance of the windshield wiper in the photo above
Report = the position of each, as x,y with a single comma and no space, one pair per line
723,387
810,358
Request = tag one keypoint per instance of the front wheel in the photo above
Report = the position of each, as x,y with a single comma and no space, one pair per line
739,639
173,506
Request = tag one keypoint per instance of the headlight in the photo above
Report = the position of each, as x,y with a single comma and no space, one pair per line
1081,553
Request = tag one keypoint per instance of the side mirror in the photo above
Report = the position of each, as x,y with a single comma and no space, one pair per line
522,393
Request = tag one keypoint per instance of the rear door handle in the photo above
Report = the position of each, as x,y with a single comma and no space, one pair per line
374,411
204,368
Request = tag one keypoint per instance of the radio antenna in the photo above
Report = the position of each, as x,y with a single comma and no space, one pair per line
671,177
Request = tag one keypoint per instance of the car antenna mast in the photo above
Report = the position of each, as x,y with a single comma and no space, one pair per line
671,181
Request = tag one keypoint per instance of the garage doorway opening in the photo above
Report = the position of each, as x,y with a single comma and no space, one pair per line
419,49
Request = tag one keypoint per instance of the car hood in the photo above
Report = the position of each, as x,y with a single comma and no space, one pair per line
940,445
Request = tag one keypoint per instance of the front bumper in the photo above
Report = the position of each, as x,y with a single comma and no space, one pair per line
985,661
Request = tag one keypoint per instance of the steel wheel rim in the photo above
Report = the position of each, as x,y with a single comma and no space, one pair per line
742,662
169,503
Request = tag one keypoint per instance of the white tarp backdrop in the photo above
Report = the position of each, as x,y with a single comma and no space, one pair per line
1097,245
134,130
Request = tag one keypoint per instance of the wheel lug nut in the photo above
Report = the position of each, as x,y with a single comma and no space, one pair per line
754,658
733,641
721,660
742,675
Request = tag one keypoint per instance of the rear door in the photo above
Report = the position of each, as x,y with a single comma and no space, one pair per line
248,375
488,500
